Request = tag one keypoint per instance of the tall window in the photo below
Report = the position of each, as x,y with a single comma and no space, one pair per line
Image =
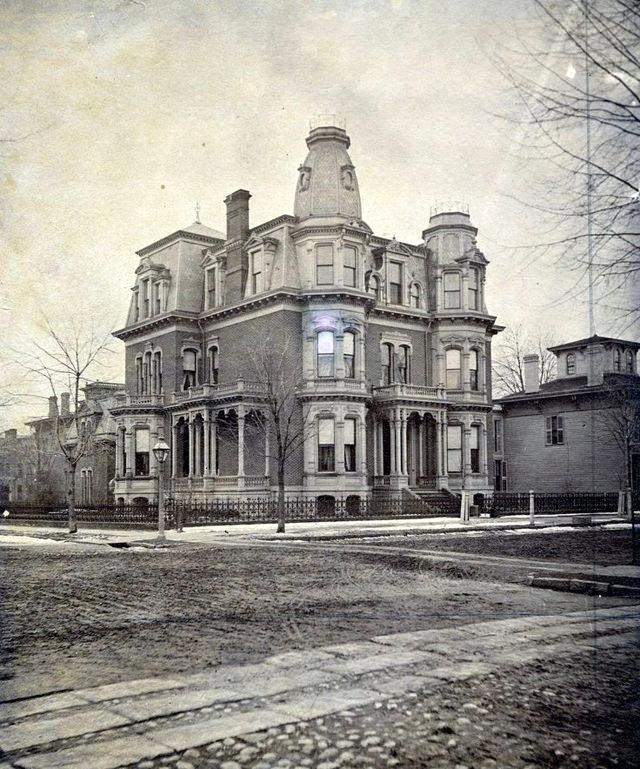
454,448
628,356
211,288
617,364
373,287
474,446
324,265
453,369
473,369
415,295
146,374
141,437
157,372
256,272
349,445
395,283
571,364
451,290
188,369
403,364
136,306
387,363
139,378
213,365
473,289
349,266
497,436
145,297
326,446
325,353
554,431
349,354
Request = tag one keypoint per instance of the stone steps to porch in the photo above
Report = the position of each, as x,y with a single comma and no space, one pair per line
439,502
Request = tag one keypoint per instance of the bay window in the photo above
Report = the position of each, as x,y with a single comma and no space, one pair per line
453,369
349,256
473,369
324,264
325,342
349,354
451,290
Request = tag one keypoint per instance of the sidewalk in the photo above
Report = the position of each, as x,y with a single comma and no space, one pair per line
119,724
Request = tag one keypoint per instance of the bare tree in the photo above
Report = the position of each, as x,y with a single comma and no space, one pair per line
575,88
508,362
621,423
64,359
274,364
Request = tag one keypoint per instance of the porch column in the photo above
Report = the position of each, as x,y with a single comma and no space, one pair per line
421,467
466,453
191,448
174,450
206,427
483,451
241,441
465,376
362,449
404,440
374,423
214,446
393,423
440,368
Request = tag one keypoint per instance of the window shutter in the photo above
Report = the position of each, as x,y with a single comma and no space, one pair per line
560,429
549,430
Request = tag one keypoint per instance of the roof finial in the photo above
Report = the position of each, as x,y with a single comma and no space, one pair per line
198,214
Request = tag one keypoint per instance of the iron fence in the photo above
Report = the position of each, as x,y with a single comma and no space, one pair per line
517,503
142,516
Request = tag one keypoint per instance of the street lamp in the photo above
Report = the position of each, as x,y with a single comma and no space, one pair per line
161,452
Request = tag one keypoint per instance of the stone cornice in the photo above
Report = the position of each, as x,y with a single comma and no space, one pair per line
144,326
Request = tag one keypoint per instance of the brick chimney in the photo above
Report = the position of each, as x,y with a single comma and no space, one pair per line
531,373
237,233
64,404
53,407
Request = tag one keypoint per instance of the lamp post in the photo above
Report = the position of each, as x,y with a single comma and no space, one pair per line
161,452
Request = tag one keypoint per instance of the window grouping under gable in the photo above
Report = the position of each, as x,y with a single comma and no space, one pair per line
149,373
554,431
149,298
396,363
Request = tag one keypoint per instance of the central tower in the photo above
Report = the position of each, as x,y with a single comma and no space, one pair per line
327,184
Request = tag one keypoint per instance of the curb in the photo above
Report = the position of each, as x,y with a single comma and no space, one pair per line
596,586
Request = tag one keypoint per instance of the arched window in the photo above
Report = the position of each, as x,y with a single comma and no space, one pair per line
629,368
349,265
617,365
403,364
349,445
326,445
473,369
349,354
157,372
453,368
387,363
324,264
571,364
213,365
325,353
415,296
188,369
451,290
473,289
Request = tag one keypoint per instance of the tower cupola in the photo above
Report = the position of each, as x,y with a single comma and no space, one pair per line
327,184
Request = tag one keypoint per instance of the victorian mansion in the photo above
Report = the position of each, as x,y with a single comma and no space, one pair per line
389,342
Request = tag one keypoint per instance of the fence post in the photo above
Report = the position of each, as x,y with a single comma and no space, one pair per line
532,508
621,502
464,507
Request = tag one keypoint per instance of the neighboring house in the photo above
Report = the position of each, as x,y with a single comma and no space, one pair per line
37,464
391,342
578,432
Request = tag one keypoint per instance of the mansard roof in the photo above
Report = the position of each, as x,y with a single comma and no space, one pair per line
195,231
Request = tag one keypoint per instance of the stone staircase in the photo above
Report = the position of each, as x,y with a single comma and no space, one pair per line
439,502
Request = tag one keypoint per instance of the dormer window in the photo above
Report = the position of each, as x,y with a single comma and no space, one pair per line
451,290
324,264
415,296
145,297
349,256
211,288
571,364
256,273
395,283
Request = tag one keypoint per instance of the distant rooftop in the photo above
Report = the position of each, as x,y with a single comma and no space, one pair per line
593,340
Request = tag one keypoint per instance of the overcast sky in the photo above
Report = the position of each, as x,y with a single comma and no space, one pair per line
131,111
